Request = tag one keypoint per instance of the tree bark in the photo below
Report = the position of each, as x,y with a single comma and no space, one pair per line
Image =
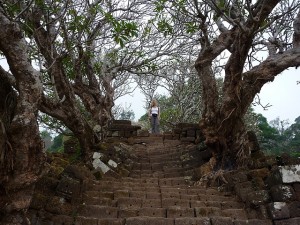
64,106
222,120
22,155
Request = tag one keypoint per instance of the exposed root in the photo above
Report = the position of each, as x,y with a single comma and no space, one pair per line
215,178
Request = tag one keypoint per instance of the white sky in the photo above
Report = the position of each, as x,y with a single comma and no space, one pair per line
283,94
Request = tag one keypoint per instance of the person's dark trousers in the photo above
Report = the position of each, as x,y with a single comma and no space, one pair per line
155,125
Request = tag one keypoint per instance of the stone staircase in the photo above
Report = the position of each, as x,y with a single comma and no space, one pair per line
159,191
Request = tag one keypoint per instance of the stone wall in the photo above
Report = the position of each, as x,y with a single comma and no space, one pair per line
122,129
186,132
268,191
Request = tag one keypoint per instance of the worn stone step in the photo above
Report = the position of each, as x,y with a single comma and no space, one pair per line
179,211
94,221
98,212
192,221
149,221
99,201
143,212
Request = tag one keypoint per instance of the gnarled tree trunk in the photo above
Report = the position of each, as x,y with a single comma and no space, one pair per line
21,150
222,120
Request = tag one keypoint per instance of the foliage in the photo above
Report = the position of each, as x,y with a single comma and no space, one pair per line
57,145
277,140
127,114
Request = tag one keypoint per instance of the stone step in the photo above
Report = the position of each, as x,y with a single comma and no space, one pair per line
170,208
157,191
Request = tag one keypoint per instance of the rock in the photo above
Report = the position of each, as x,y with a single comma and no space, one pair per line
275,178
278,210
97,163
290,174
97,155
68,187
58,205
294,208
282,193
79,172
260,197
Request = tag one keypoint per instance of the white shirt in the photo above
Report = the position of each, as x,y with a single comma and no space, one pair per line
154,110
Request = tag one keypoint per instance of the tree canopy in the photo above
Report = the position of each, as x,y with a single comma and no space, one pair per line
69,60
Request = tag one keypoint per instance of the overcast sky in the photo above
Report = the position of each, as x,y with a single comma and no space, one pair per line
283,94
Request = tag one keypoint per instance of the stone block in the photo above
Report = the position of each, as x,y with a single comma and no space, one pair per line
278,210
99,212
192,221
236,177
195,204
125,213
124,122
253,222
189,197
151,203
221,221
207,211
177,211
292,221
137,194
86,221
191,133
68,187
274,178
232,205
153,195
115,221
213,204
187,139
290,174
149,221
296,187
129,203
282,193
256,198
178,181
152,212
166,195
294,208
167,202
62,220
235,213
168,136
121,194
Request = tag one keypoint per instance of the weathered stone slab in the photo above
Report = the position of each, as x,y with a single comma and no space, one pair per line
149,221
253,222
192,221
290,174
282,193
278,210
177,211
292,221
294,208
221,221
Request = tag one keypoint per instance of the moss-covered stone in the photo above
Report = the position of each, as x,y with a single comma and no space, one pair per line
38,201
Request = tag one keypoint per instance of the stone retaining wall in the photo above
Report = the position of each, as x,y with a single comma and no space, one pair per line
186,132
268,193
122,128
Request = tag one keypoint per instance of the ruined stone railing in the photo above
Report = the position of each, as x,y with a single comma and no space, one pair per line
186,132
271,194
122,128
